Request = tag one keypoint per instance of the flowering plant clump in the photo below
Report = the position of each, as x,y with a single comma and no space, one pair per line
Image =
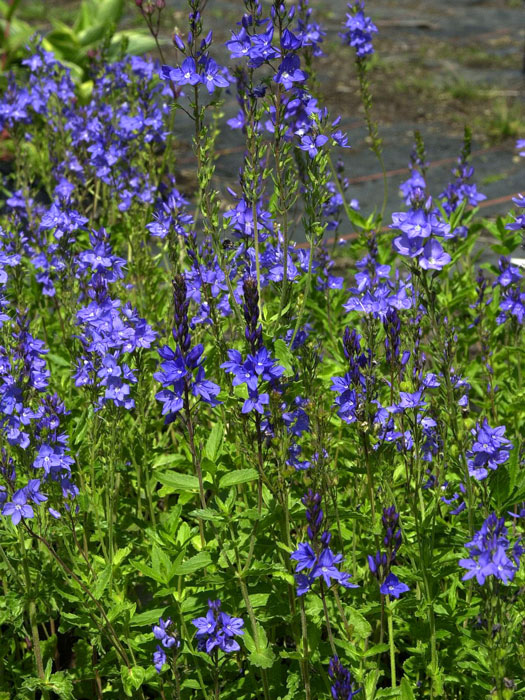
247,430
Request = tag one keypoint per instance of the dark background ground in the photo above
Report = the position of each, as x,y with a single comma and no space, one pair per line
439,64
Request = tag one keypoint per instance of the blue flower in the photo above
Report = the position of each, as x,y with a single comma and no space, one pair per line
360,30
218,629
289,72
312,144
18,508
212,76
168,637
393,587
489,450
159,658
342,686
186,74
489,553
305,556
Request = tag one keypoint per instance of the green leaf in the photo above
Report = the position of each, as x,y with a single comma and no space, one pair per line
121,554
147,571
147,618
214,442
132,678
109,11
138,42
263,658
57,360
285,356
206,514
102,581
387,693
376,649
199,561
172,460
59,683
361,626
179,482
406,690
499,485
240,476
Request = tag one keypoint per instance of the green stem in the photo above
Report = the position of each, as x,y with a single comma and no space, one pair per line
306,293
195,459
260,470
31,609
339,187
391,642
253,623
327,620
305,660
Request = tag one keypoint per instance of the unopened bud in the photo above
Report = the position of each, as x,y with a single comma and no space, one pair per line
177,40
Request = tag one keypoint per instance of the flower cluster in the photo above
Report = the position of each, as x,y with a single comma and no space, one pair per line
420,229
259,365
218,629
206,70
360,29
490,449
491,554
461,189
169,639
181,370
30,420
317,557
342,687
512,301
381,563
354,387
257,368
109,332
375,292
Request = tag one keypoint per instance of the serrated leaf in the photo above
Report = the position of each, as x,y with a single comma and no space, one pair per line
206,514
179,482
264,658
147,571
361,626
406,692
121,554
214,442
103,578
284,355
132,679
376,649
163,460
199,561
239,476
147,618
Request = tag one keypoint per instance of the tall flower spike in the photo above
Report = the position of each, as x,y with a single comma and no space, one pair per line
360,29
314,513
342,685
317,558
253,331
181,333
